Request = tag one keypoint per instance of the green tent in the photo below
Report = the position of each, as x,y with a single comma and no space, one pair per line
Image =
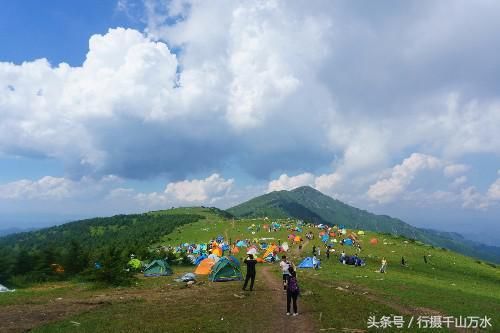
135,264
225,269
158,268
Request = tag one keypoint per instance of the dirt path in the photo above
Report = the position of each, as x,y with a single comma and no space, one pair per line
280,321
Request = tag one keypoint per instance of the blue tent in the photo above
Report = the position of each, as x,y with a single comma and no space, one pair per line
199,259
348,241
225,247
219,239
308,263
325,238
241,243
263,246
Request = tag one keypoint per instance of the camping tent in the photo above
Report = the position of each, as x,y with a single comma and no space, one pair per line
285,246
235,250
270,250
308,263
158,268
135,263
361,232
348,241
4,289
374,241
297,239
252,250
226,269
200,259
325,238
205,266
241,243
217,251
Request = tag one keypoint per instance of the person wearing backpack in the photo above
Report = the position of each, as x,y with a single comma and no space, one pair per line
292,292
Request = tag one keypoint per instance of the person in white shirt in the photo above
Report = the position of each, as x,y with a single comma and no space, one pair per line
285,265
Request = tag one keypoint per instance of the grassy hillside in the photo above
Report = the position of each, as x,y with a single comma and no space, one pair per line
311,205
76,246
336,296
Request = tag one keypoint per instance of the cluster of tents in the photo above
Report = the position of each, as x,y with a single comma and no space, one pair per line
226,268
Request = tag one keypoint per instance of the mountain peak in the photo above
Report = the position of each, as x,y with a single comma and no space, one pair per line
306,190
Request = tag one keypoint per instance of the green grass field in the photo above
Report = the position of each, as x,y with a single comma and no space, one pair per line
336,297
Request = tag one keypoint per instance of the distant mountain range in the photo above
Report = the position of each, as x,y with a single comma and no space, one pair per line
309,204
10,231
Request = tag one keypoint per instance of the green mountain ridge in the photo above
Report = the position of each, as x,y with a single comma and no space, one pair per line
311,205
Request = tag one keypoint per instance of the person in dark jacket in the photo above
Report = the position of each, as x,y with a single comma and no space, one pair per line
292,292
250,262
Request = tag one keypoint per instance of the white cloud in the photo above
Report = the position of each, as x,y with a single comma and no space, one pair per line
285,182
459,181
211,188
455,169
387,190
55,188
325,183
494,191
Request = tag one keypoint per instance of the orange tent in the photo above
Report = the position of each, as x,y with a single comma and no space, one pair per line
297,239
374,241
332,234
217,251
260,260
205,267
235,250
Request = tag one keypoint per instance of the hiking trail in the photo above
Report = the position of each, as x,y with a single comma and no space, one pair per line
280,321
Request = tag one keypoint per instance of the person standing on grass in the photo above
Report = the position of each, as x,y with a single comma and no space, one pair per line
285,265
250,262
292,292
314,250
383,268
328,252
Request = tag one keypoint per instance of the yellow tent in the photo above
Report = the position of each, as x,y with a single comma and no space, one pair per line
270,249
361,232
217,251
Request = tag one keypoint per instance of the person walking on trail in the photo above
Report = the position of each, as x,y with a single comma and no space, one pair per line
250,262
292,292
328,252
314,250
383,268
285,265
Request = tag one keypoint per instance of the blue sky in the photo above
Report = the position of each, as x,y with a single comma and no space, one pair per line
124,106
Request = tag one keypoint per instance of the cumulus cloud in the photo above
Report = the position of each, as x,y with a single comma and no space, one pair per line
325,183
210,188
266,87
455,169
55,188
494,190
386,190
285,182
208,191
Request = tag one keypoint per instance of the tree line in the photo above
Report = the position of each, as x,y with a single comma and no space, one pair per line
95,249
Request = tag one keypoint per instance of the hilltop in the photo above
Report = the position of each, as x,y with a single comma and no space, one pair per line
309,204
446,284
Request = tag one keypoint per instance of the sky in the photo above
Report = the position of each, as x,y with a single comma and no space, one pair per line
122,106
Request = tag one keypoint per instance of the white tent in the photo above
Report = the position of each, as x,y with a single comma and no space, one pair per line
4,289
